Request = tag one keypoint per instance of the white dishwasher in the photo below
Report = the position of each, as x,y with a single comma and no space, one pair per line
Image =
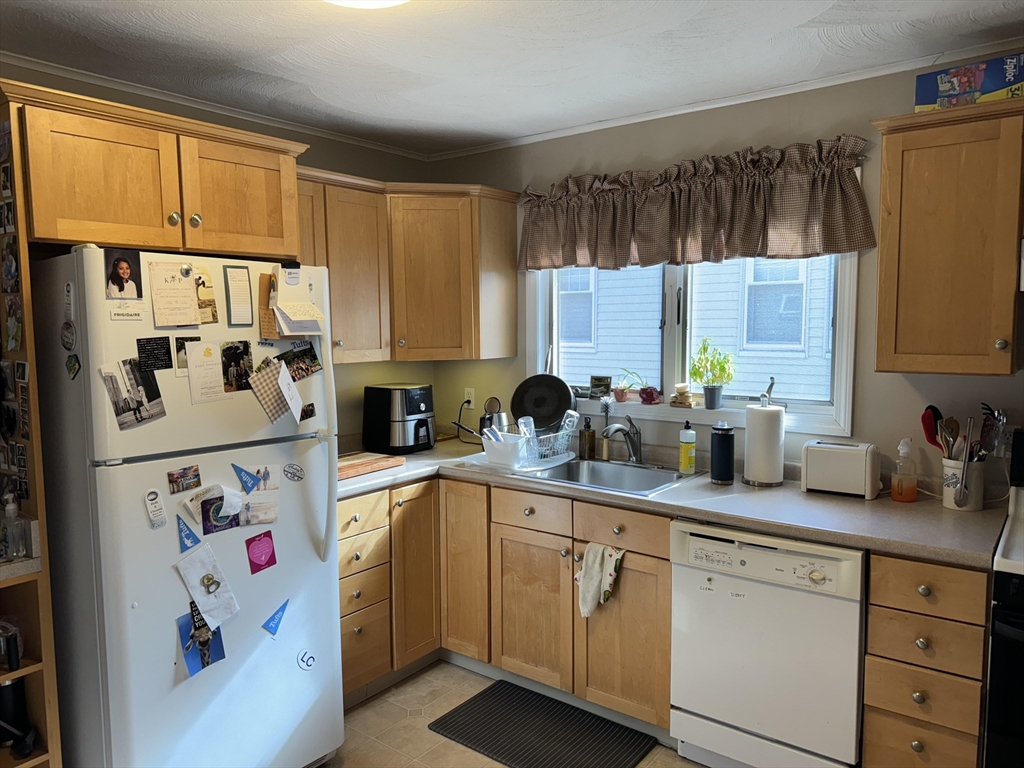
766,649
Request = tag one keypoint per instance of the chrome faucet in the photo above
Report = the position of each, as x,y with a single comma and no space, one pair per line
631,434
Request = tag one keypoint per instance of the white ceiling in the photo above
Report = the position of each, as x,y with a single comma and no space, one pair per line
445,76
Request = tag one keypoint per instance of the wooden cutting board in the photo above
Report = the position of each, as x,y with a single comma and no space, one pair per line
355,464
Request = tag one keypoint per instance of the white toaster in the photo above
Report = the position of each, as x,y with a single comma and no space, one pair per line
853,468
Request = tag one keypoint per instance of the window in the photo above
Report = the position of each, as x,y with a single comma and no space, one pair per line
606,321
791,319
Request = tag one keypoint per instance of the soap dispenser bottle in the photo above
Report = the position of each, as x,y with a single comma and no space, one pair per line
904,476
687,450
588,441
12,535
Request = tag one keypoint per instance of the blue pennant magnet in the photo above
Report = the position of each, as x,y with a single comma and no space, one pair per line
186,536
274,622
248,480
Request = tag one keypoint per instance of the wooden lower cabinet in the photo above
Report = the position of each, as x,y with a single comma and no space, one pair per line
622,652
532,605
365,645
465,570
895,741
416,571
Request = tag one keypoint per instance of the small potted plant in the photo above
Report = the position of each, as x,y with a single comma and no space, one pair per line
623,386
713,369
648,395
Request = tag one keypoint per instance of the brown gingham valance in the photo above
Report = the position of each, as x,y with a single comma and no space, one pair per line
804,200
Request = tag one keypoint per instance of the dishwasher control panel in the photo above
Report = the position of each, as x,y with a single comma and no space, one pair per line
808,566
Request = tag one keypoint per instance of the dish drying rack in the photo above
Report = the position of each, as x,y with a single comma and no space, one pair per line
548,446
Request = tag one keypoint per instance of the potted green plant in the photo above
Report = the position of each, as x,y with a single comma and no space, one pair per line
713,369
630,379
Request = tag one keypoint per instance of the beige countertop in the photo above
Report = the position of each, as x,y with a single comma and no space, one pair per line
923,529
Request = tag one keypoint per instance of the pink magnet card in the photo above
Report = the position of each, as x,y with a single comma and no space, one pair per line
260,549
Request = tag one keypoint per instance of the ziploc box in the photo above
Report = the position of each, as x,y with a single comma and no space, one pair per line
992,80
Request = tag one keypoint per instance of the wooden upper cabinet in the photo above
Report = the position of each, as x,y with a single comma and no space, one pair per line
453,262
312,229
415,571
433,271
238,199
950,240
98,181
357,261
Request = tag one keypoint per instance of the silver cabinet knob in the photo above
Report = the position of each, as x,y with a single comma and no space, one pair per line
355,518
195,220
923,590
1002,343
917,746
357,594
577,558
357,556
339,343
918,697
401,342
174,219
617,530
358,630
563,552
528,511
400,503
921,643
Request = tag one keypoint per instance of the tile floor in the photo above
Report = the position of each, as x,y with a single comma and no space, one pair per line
390,730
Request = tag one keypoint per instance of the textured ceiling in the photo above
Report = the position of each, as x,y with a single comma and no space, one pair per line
437,76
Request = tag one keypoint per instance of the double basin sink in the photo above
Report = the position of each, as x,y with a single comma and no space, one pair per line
637,479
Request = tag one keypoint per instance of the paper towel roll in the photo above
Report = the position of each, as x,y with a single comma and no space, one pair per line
765,436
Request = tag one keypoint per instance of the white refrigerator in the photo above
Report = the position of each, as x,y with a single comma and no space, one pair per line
261,696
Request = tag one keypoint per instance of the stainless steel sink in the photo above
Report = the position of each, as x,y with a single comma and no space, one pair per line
638,479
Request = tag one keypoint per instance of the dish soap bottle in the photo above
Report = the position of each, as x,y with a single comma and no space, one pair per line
12,535
904,476
588,441
687,450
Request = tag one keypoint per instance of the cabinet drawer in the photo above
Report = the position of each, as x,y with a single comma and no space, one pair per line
365,645
364,589
949,645
531,510
888,740
937,590
362,513
365,551
633,531
946,700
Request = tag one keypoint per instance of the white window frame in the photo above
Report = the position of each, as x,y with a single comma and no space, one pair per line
798,349
835,419
557,316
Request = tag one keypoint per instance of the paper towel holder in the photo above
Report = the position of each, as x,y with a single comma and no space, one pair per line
766,400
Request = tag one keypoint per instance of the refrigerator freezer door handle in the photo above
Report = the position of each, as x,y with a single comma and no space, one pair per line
331,523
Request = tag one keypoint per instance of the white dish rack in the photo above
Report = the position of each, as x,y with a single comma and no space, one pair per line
552,449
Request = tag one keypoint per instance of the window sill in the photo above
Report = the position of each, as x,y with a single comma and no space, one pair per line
806,420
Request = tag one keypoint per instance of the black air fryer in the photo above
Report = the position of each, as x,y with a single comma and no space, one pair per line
398,418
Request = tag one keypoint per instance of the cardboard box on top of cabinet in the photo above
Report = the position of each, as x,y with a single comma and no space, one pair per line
993,80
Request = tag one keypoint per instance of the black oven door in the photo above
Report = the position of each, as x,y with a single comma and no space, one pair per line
1004,743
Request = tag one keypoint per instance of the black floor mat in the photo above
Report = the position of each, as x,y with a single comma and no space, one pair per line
523,729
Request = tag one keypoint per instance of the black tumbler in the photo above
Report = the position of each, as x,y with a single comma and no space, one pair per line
723,454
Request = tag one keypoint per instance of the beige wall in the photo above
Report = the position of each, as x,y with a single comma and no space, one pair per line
886,407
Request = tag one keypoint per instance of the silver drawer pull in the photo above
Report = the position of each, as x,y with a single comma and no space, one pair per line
917,746
918,697
174,219
357,557
564,552
923,590
528,511
195,220
400,503
577,558
357,594
617,530
358,630
922,643
355,518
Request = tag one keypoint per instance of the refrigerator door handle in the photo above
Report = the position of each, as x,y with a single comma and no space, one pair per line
331,436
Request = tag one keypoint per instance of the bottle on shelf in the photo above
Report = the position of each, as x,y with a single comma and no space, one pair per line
12,531
904,476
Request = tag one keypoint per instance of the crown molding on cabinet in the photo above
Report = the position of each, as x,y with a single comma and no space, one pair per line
404,187
991,110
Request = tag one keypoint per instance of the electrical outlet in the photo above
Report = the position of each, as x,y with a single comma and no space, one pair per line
471,397
1003,447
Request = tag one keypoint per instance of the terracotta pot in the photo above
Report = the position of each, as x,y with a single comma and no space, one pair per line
649,396
620,394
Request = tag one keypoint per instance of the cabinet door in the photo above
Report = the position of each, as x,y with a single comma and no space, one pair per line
238,200
432,263
622,651
312,226
465,568
532,604
415,571
948,252
103,182
357,260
